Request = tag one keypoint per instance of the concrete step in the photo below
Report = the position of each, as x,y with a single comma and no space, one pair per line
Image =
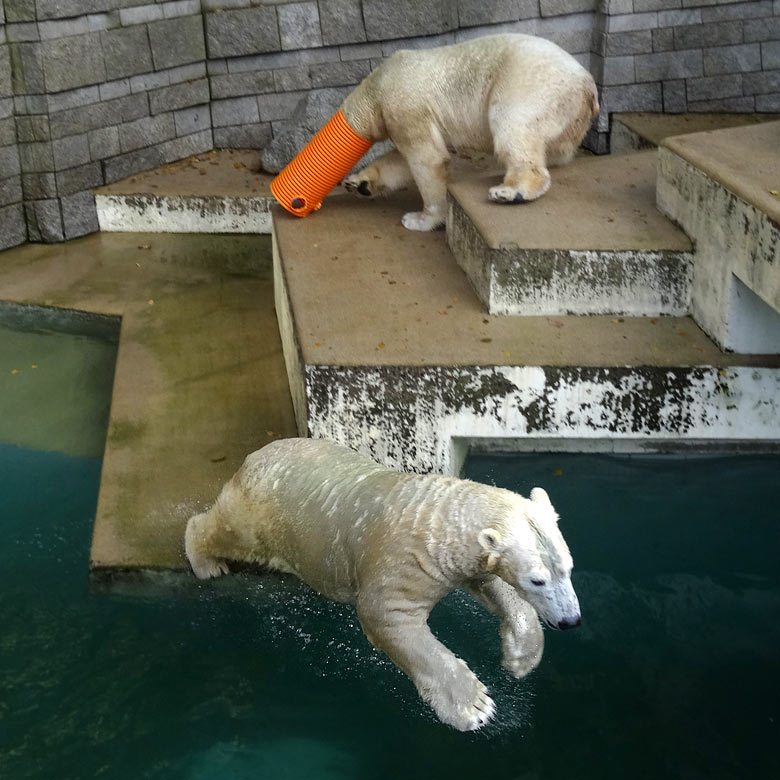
723,188
214,192
390,351
594,244
643,130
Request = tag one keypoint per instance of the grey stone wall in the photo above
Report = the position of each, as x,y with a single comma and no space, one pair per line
99,89
264,56
12,226
688,55
92,91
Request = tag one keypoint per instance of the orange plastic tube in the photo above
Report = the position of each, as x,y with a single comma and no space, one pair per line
319,166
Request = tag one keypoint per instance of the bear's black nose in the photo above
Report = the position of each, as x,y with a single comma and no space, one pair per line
569,623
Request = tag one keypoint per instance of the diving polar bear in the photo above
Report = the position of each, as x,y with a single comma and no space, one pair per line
519,97
393,545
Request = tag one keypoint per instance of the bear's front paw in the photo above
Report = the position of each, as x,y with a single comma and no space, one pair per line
421,220
204,567
357,183
522,651
464,703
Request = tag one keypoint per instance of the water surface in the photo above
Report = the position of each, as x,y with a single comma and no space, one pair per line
673,673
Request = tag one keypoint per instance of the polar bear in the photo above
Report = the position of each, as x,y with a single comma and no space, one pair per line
519,97
393,545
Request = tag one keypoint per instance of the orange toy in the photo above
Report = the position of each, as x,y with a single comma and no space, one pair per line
319,166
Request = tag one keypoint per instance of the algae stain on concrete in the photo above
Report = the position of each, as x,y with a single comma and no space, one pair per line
208,344
125,431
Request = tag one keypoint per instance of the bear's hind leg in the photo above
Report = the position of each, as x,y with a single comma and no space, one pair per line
581,105
522,639
443,680
526,177
195,542
519,143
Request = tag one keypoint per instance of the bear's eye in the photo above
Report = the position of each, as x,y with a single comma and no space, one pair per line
538,583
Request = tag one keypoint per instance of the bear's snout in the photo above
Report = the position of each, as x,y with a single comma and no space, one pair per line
571,622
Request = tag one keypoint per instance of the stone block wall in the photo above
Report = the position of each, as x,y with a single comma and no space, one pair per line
99,89
13,230
688,55
92,91
264,56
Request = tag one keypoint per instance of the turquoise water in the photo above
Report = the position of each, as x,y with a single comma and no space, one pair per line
672,675
55,387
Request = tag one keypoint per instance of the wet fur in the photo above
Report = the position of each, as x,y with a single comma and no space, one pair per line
394,545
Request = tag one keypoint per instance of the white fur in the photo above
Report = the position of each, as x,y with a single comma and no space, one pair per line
394,545
519,97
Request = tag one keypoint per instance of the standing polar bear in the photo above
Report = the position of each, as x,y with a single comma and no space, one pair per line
393,545
519,97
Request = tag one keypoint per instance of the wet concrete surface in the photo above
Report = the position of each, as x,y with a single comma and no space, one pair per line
200,379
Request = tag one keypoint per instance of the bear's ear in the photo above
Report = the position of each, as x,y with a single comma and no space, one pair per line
490,540
539,495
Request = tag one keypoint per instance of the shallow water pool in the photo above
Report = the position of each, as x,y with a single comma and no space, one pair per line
673,674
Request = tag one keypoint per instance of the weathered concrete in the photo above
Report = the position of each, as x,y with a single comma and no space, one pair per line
722,188
393,355
595,244
642,130
422,418
218,192
200,379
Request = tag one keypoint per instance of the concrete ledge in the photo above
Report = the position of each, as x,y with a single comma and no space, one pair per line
595,244
719,187
171,214
745,160
422,418
395,357
642,130
199,381
217,192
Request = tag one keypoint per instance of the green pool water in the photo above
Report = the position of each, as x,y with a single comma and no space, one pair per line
673,673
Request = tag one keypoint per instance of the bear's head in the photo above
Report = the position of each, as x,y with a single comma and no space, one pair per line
526,549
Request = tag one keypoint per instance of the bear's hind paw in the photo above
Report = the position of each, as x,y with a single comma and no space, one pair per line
504,194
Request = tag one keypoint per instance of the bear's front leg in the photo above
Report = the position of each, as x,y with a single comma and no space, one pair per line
443,680
427,163
522,638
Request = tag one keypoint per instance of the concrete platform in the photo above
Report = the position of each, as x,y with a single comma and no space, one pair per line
216,192
595,244
643,130
390,351
200,379
723,188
